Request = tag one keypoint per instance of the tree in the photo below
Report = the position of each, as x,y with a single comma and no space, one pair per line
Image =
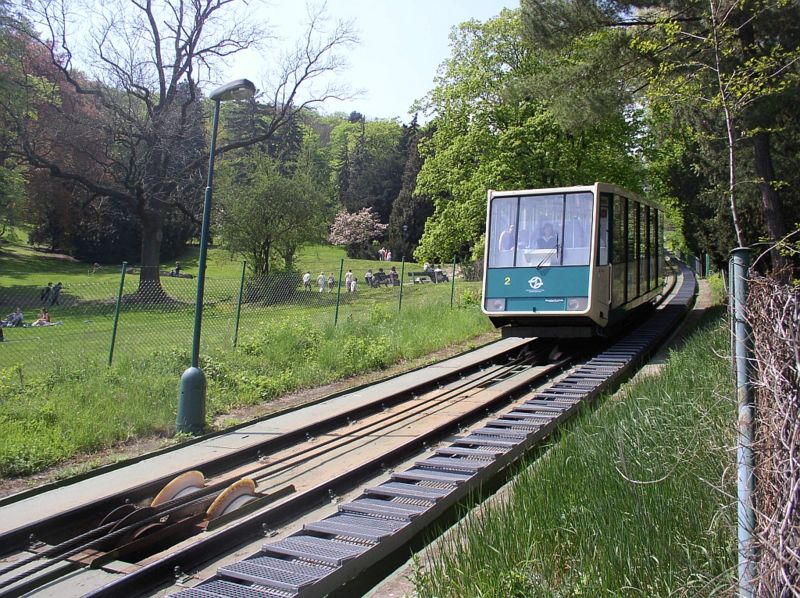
370,163
721,71
356,230
735,60
410,211
12,53
265,213
493,132
150,64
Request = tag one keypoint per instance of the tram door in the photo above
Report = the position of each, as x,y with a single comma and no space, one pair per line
602,277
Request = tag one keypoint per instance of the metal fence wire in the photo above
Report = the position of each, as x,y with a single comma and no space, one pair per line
110,318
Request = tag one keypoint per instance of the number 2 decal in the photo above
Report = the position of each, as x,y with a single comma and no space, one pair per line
507,281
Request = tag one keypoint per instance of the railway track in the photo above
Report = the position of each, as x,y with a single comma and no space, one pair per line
134,541
132,526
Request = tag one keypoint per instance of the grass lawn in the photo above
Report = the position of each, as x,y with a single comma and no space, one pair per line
636,498
59,397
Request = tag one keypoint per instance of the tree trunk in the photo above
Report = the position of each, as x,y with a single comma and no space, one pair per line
150,277
771,202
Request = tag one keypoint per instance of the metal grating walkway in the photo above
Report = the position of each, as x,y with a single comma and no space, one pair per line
325,554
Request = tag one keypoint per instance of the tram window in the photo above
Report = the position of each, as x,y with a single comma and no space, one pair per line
619,247
502,232
639,248
656,251
632,247
577,228
540,237
646,247
602,230
618,228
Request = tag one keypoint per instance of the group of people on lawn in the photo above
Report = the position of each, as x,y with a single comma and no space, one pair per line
374,280
48,295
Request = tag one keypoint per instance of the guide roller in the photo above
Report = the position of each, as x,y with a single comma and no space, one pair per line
233,497
187,483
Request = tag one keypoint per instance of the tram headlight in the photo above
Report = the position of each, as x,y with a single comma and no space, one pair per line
495,305
577,303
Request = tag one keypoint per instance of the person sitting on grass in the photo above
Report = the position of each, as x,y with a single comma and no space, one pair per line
13,319
44,319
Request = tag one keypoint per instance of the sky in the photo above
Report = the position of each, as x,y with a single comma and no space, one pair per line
402,43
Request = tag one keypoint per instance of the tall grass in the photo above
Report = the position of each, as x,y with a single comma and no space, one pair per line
65,408
634,500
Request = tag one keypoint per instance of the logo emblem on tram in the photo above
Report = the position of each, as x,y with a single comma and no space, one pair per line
535,283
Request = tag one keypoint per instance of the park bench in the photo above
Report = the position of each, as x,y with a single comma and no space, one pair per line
429,276
381,278
421,276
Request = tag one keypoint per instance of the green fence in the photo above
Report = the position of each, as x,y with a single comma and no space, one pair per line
111,318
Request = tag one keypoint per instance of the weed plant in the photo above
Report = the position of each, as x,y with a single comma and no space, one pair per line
634,499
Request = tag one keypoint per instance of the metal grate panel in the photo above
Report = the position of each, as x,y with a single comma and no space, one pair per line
315,549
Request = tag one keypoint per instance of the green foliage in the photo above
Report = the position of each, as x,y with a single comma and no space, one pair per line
368,164
719,81
266,214
493,132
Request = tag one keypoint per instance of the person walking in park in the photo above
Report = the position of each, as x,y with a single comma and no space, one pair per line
321,282
331,282
56,293
45,295
307,281
348,279
368,277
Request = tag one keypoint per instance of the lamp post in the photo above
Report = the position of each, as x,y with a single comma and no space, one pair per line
192,397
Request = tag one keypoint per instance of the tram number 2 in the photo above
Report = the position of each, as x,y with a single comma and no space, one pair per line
507,281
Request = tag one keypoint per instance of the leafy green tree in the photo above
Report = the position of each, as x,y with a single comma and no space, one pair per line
12,54
493,132
733,64
266,214
716,75
370,163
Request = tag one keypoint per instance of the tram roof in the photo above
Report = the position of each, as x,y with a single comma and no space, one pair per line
602,187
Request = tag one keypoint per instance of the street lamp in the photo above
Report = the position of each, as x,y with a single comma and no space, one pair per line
192,398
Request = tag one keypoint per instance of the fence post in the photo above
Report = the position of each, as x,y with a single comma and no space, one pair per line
116,313
338,292
744,452
239,306
453,282
402,273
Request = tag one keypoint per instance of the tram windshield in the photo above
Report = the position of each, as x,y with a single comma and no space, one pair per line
540,230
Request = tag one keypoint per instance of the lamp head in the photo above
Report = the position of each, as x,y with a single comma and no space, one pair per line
241,89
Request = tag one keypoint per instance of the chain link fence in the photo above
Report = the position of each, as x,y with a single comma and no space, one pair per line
110,318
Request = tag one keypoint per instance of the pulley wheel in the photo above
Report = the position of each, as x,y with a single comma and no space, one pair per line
233,497
187,483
